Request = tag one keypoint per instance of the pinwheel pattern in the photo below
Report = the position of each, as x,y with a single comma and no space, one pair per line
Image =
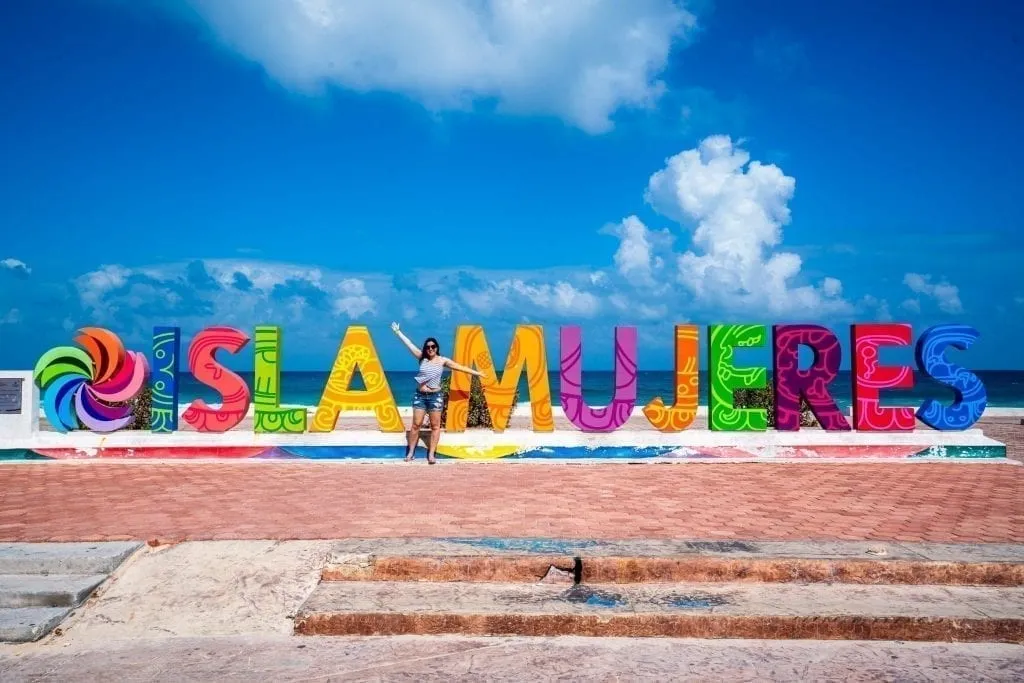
81,384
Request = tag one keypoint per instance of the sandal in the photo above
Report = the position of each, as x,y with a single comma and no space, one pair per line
410,457
431,461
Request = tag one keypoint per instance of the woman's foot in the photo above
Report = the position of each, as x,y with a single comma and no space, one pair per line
431,460
409,457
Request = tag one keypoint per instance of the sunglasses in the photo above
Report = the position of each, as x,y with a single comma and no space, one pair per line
431,346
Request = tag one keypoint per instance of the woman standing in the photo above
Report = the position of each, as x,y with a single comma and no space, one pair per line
428,399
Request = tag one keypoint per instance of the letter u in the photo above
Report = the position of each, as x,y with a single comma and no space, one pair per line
615,414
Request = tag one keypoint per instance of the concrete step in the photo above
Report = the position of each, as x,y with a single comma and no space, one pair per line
40,583
645,560
667,569
52,590
26,624
688,610
64,558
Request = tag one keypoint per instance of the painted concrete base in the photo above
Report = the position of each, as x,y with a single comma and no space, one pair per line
513,444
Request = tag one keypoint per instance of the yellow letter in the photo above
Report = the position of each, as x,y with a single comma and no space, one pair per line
527,350
357,353
681,415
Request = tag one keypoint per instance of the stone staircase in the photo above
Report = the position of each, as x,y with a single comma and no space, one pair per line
828,591
40,583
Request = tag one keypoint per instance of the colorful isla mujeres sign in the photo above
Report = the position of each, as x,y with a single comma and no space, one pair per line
86,386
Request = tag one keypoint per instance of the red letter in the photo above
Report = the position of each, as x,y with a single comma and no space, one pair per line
869,376
205,368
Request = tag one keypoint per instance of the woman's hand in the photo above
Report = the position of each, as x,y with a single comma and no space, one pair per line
394,327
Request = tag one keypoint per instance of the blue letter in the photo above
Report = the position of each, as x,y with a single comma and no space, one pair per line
970,392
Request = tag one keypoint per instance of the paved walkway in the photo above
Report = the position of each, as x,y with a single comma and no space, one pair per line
280,658
937,502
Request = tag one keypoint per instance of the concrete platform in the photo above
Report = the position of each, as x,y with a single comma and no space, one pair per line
770,611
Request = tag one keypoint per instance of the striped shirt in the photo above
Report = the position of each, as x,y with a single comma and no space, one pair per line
430,372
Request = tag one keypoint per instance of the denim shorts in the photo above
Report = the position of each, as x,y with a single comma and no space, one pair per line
432,403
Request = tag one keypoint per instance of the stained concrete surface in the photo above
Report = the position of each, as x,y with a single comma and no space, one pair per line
202,589
418,658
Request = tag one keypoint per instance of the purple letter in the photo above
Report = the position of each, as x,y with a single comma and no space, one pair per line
792,383
613,416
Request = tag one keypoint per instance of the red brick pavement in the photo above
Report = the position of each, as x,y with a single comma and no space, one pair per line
309,500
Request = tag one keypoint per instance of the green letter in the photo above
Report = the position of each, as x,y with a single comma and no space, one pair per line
270,417
725,378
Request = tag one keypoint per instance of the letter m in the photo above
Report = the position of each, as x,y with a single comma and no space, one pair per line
527,352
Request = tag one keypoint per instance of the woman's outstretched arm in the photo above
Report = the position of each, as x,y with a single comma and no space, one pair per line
408,343
462,368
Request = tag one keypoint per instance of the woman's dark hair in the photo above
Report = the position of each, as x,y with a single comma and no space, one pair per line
430,340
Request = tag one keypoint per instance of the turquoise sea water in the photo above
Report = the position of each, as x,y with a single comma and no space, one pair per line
1005,388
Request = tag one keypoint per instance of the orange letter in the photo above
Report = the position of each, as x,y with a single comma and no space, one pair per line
527,350
682,413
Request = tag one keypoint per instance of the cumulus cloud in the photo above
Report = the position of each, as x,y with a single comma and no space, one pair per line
945,295
580,61
639,257
15,266
735,210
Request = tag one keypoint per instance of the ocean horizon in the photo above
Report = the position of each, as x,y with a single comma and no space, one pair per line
1005,388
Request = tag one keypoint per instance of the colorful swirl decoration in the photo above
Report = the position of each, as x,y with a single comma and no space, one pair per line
82,387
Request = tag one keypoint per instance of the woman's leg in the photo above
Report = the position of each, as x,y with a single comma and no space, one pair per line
414,432
435,434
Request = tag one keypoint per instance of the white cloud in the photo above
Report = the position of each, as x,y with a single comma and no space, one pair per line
12,317
947,296
516,295
637,310
637,258
879,306
912,305
19,267
93,286
736,209
580,61
444,306
225,291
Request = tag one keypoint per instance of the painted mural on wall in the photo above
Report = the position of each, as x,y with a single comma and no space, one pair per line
84,387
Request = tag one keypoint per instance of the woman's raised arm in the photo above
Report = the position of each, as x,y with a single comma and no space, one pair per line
408,343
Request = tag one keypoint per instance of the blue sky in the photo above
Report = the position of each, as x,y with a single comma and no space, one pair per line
319,163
